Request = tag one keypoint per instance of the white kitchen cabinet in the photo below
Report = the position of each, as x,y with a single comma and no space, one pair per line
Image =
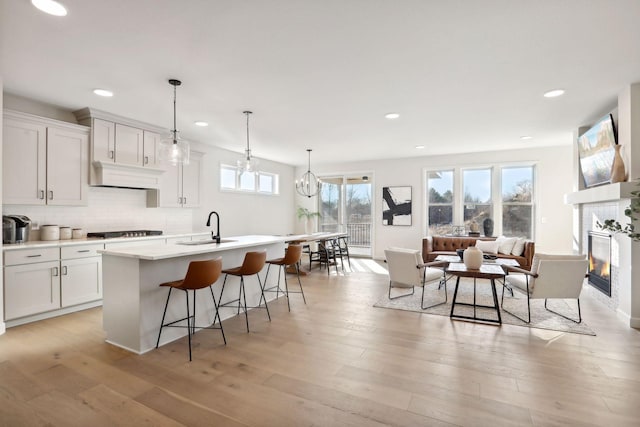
103,140
191,182
80,280
80,274
179,185
31,282
129,145
44,161
67,167
151,149
24,162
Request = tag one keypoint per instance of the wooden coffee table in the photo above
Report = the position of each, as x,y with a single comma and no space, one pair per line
486,271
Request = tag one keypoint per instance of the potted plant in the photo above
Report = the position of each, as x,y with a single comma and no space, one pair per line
308,216
633,212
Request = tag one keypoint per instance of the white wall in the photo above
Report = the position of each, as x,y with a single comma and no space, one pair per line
553,219
244,213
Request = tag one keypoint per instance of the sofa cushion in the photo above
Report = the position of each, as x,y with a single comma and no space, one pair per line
518,247
506,244
488,246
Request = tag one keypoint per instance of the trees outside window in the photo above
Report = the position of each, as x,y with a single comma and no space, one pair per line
459,196
440,211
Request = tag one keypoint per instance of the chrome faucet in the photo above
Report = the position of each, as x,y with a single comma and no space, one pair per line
216,236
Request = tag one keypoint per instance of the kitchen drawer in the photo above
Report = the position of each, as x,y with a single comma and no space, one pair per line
30,256
80,251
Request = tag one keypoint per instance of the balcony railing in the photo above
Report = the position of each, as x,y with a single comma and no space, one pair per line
359,233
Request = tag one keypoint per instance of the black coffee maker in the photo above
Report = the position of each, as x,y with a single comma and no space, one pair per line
15,228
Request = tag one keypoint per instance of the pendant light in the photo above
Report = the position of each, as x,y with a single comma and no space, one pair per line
248,163
173,149
308,185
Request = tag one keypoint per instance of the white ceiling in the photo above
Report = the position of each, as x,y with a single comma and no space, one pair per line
464,75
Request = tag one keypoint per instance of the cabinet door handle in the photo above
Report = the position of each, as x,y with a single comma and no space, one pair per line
84,250
64,270
34,256
41,197
111,154
50,194
55,271
146,160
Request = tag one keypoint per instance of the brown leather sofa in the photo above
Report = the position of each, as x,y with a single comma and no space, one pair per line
432,246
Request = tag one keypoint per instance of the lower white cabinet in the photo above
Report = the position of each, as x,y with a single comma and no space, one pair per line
44,280
31,289
80,275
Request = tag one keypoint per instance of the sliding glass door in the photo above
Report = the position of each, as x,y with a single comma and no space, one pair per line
345,205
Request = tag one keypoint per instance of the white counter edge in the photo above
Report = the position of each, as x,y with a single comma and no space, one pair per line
155,252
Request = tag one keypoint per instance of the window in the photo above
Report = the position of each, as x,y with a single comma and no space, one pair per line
440,211
504,193
477,196
517,201
267,183
234,179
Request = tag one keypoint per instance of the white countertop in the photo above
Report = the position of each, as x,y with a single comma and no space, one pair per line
33,244
156,252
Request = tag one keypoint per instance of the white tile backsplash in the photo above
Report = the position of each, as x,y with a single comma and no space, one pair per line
110,209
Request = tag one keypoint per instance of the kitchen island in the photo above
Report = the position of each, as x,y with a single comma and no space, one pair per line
133,302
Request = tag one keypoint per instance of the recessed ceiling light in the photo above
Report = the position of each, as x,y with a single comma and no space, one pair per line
554,93
50,6
391,116
419,147
201,124
525,137
103,92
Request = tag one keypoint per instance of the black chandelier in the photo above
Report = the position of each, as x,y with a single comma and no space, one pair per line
308,185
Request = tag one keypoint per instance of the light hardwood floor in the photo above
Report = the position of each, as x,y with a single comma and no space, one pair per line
337,361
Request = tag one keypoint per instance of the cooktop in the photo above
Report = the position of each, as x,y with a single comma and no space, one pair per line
125,233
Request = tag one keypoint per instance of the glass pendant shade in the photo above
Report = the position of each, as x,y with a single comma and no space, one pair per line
308,185
248,163
173,149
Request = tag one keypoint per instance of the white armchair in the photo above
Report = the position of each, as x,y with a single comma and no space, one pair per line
406,270
551,276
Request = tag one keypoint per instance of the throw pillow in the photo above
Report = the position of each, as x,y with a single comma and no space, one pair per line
488,246
506,244
518,247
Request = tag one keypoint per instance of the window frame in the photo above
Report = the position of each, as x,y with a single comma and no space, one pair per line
453,198
275,187
496,194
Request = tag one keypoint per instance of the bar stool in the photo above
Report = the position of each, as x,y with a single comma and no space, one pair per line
291,258
200,274
253,263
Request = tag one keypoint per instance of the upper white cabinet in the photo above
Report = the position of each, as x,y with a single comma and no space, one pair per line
151,148
124,152
129,145
179,185
103,140
44,161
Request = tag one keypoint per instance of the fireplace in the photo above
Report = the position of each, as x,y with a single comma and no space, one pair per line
600,261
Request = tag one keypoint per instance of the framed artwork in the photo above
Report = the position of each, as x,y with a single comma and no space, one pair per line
396,205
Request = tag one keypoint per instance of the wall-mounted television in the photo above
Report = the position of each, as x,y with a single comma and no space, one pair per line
596,150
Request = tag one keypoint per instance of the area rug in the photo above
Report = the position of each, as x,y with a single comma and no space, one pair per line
540,317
